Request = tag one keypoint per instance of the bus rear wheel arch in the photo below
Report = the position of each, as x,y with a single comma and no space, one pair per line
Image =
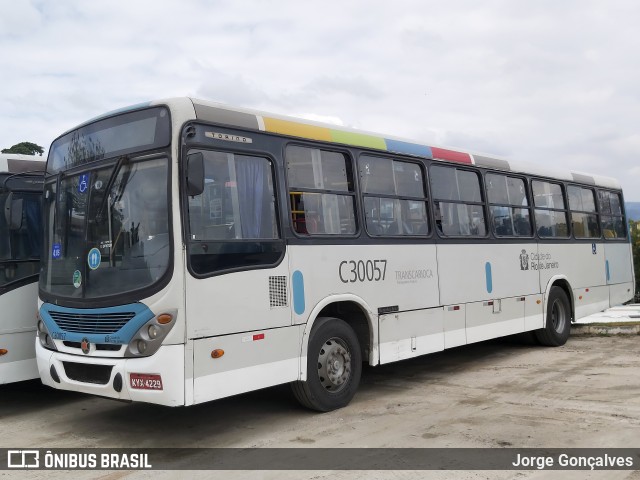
334,366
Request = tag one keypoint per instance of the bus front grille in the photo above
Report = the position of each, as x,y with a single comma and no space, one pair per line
87,373
107,347
91,323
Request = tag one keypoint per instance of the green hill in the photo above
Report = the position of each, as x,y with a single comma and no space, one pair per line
633,210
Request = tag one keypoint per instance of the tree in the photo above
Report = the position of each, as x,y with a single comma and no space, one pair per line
24,148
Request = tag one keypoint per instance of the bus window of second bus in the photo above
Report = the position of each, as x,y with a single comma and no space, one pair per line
20,249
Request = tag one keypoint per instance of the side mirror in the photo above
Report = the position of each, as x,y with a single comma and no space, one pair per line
195,174
13,212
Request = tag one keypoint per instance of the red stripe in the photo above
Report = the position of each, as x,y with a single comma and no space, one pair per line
450,155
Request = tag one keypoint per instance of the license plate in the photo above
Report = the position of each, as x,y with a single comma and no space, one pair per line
143,381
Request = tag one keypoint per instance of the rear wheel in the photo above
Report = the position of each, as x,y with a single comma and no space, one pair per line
334,366
558,321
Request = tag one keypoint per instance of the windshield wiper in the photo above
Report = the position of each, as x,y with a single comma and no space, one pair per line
112,178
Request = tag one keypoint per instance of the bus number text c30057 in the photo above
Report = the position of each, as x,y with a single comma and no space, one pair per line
352,271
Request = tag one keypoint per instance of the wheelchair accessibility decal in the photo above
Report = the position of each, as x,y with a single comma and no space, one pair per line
83,182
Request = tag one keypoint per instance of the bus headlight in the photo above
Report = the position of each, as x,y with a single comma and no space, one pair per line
149,337
43,336
142,346
153,332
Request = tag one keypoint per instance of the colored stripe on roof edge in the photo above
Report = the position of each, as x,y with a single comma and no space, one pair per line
408,148
451,155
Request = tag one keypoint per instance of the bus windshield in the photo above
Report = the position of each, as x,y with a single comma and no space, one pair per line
20,247
106,229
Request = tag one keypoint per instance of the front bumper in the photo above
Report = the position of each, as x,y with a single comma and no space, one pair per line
168,362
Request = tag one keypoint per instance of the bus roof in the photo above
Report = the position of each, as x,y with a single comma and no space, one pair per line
311,130
301,128
18,163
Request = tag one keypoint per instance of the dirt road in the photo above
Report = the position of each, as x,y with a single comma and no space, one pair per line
493,394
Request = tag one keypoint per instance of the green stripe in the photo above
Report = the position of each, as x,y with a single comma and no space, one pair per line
358,139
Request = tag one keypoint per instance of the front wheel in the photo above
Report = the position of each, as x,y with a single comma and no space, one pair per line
334,366
558,322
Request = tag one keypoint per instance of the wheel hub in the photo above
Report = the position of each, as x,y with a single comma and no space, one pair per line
334,364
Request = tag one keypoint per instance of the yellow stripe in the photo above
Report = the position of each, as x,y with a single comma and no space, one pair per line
285,127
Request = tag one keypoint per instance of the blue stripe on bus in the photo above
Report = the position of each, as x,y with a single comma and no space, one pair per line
489,279
606,265
297,281
123,336
408,148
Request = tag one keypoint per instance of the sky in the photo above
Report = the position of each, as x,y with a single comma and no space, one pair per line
556,83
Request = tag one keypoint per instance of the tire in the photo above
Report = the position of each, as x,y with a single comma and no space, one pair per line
558,320
334,366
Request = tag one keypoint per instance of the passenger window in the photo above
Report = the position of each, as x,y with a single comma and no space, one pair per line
321,192
509,206
550,210
394,197
459,209
613,221
233,222
584,218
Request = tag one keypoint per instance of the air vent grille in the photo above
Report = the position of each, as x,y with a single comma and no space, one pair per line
278,291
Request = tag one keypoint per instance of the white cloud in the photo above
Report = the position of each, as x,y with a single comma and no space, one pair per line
550,82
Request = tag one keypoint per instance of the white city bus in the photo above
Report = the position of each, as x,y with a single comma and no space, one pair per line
195,251
21,180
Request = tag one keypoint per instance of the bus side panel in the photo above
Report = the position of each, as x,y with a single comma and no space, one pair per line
619,272
534,312
17,334
250,361
583,265
238,302
475,272
455,332
19,308
401,277
19,363
590,300
478,274
496,318
409,334
577,261
620,293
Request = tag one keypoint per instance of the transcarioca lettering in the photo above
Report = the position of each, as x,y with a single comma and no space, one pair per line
413,274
